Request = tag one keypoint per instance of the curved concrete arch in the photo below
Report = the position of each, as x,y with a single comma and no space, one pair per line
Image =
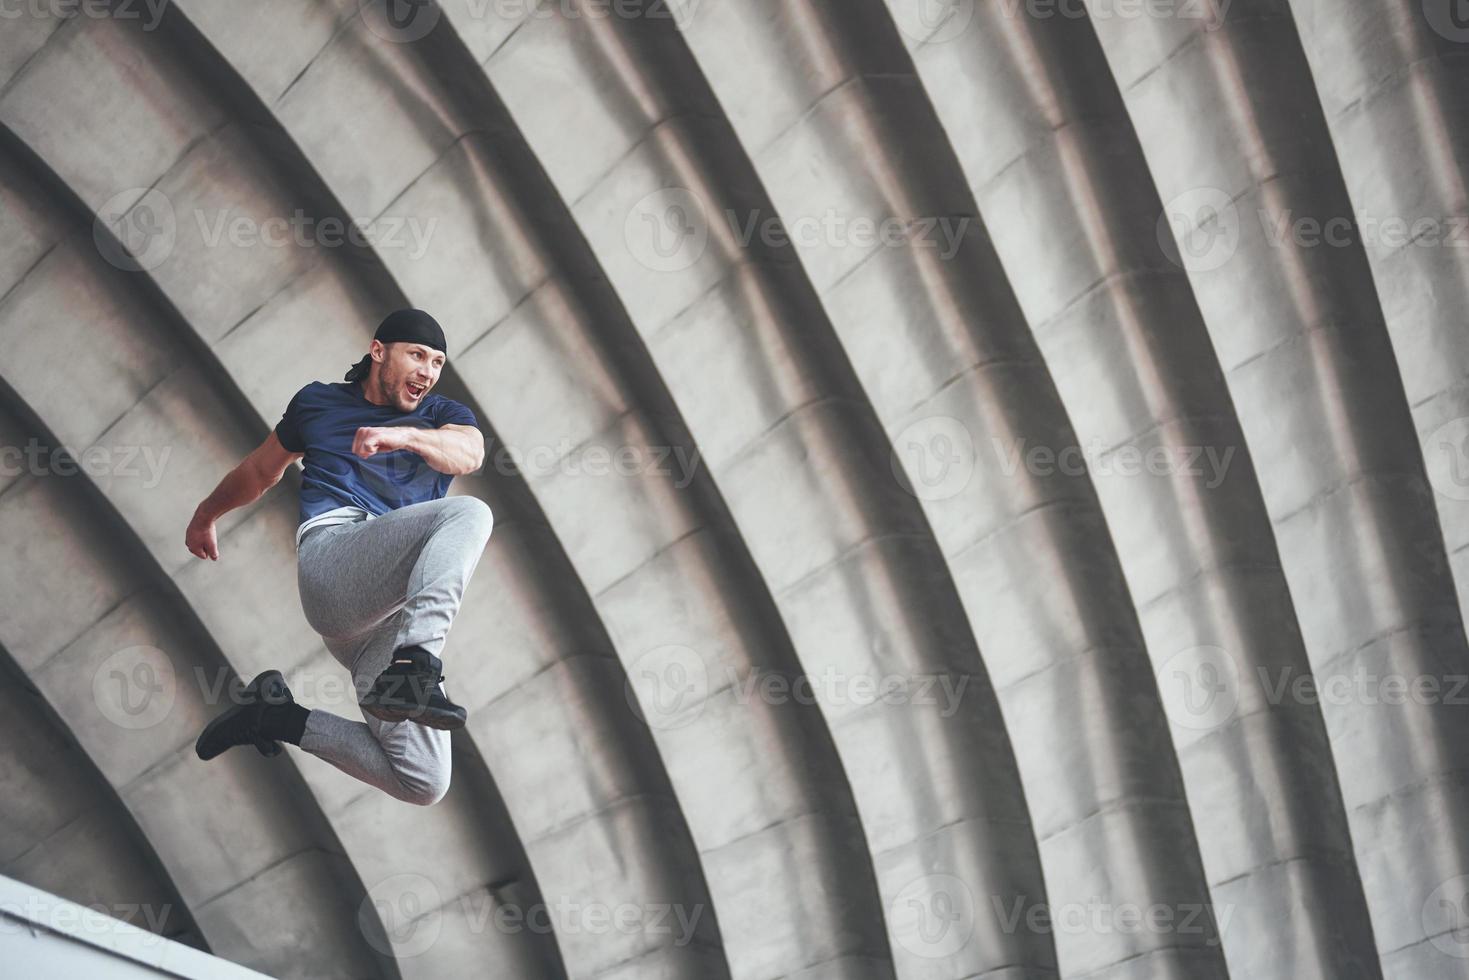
178,401
786,429
841,125
1228,117
638,643
579,773
65,830
1049,151
98,603
1391,77
667,570
85,607
580,830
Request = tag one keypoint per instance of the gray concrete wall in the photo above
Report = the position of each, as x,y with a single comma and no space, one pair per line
969,501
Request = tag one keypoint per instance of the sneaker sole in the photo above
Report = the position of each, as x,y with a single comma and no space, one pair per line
444,721
269,684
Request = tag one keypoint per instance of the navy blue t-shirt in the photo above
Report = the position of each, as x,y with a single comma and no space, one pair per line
322,420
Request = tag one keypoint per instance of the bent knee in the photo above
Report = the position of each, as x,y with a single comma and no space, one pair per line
473,511
423,791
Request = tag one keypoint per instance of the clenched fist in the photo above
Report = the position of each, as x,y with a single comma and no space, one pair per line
200,539
371,440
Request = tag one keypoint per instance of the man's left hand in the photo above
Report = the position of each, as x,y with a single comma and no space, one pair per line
371,440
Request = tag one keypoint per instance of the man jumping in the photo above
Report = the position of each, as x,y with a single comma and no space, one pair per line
382,560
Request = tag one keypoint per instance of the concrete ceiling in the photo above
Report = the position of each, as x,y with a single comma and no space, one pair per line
959,477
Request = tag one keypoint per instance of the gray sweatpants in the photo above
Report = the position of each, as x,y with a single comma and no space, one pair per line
370,587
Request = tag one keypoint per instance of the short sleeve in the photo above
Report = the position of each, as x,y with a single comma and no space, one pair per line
450,412
288,429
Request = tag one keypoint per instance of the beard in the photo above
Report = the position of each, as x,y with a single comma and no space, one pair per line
393,390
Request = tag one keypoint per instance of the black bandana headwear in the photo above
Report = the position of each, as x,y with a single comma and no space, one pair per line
402,326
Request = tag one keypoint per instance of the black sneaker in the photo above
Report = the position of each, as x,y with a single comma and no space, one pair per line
409,691
242,724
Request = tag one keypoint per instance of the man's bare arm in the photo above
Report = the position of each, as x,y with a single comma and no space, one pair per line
452,449
243,485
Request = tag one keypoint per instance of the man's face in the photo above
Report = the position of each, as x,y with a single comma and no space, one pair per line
407,373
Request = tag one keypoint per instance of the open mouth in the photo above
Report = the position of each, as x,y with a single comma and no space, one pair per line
416,390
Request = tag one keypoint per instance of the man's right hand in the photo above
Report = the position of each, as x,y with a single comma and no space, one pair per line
200,539
243,485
